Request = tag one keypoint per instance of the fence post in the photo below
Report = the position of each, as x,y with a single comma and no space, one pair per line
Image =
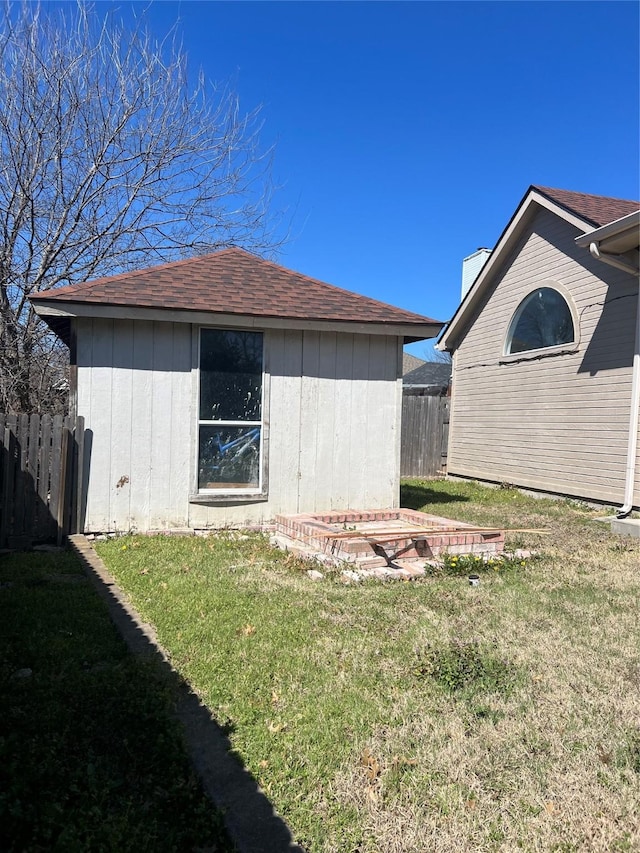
73,427
10,484
62,503
45,522
55,495
20,485
8,476
79,473
31,476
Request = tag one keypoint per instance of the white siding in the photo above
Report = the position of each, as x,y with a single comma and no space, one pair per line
558,423
134,390
332,416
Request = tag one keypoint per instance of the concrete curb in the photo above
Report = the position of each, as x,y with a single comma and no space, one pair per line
250,819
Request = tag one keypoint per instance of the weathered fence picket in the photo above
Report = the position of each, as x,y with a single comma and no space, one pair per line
425,433
41,477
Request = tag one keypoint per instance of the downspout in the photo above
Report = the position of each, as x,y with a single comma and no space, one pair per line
634,416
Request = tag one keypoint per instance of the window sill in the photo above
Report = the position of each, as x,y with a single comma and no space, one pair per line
228,498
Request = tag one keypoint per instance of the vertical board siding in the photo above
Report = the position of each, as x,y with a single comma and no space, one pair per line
557,423
95,401
360,421
143,429
384,403
341,437
121,426
286,426
160,426
376,431
134,388
326,436
180,420
332,413
310,421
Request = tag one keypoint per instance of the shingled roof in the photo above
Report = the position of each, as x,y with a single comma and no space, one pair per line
410,362
586,212
231,281
429,374
596,209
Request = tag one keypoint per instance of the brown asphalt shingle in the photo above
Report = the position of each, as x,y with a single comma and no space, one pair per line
597,209
232,281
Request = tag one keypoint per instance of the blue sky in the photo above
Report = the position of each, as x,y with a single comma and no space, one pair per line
407,133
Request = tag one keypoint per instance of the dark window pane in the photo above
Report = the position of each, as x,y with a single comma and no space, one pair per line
229,457
230,375
543,320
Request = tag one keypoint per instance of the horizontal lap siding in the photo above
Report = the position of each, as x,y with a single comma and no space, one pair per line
558,423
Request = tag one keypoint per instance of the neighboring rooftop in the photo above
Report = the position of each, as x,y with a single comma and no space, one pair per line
431,374
410,362
232,281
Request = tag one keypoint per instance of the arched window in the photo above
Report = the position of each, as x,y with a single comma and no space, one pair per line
543,319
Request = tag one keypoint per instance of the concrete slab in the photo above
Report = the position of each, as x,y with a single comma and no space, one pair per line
626,527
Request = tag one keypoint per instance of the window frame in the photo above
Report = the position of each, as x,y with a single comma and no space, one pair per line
229,495
541,352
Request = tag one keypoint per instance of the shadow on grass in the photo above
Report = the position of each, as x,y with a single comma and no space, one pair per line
418,494
91,753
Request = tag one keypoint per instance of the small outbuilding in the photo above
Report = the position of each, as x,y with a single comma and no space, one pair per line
546,352
226,389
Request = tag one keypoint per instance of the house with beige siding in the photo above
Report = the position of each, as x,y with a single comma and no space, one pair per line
226,389
546,353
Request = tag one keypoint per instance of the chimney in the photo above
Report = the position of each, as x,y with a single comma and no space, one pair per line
471,267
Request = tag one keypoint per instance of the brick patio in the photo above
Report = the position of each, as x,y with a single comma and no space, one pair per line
361,536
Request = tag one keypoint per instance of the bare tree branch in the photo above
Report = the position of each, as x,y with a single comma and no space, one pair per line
433,355
110,159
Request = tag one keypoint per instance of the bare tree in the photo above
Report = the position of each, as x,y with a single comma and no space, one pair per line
108,161
432,355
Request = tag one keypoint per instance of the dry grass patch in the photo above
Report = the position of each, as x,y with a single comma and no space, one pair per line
427,715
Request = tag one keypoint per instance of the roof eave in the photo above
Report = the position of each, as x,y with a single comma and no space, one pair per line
620,237
58,316
532,200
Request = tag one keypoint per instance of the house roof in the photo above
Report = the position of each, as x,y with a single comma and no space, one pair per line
231,282
410,362
580,209
429,374
616,238
594,209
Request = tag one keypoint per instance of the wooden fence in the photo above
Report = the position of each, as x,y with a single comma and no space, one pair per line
425,435
41,478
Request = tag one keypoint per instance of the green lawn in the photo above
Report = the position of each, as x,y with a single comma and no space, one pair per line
423,715
90,758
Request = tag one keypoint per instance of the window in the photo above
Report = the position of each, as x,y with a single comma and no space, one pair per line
542,320
230,411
